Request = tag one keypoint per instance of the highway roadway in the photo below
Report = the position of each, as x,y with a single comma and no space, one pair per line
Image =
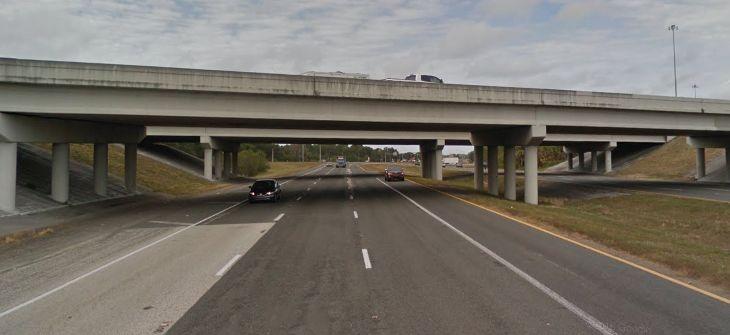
342,253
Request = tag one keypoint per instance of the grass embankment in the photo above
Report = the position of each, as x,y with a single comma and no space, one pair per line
689,236
284,169
672,161
151,174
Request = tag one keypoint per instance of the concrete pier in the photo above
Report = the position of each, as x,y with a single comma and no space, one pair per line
60,172
510,173
608,161
570,161
493,169
700,163
218,164
130,167
581,161
727,164
234,162
479,167
594,161
101,168
531,168
227,164
9,168
208,163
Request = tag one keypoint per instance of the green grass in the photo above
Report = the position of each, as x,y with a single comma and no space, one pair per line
672,161
151,174
689,236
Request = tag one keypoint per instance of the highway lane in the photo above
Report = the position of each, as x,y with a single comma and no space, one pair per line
309,275
136,277
305,276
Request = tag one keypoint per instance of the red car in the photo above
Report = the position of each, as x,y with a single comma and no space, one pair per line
394,173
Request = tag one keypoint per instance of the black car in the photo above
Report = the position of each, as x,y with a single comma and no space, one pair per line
264,190
394,173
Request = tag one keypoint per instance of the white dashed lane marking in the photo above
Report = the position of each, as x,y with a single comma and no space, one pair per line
366,259
228,265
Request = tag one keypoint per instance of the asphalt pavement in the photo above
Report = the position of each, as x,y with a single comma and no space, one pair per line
342,253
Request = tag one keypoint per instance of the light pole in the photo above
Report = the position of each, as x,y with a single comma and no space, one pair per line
674,28
695,87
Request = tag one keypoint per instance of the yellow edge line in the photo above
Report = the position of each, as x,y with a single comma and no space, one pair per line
617,258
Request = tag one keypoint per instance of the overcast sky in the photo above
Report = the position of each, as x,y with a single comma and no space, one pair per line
614,46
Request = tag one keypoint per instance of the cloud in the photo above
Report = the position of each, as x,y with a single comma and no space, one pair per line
513,8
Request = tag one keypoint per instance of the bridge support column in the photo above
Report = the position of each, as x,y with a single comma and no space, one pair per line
234,163
479,167
702,142
130,167
531,168
594,161
431,154
437,164
700,163
493,169
529,137
607,161
727,164
8,176
101,168
227,164
594,148
60,172
218,164
208,163
425,162
581,161
510,173
570,161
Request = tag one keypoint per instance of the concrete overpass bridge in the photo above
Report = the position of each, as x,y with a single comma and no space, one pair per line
64,102
221,144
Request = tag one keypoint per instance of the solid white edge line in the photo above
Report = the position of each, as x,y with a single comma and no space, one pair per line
117,260
228,265
366,259
590,320
279,217
354,213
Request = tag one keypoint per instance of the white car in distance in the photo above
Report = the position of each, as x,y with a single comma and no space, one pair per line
421,78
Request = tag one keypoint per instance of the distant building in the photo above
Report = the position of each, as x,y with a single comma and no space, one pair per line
337,74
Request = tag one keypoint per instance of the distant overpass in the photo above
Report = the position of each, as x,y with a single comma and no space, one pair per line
113,103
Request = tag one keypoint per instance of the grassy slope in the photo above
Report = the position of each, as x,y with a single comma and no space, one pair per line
156,176
689,236
163,178
673,161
